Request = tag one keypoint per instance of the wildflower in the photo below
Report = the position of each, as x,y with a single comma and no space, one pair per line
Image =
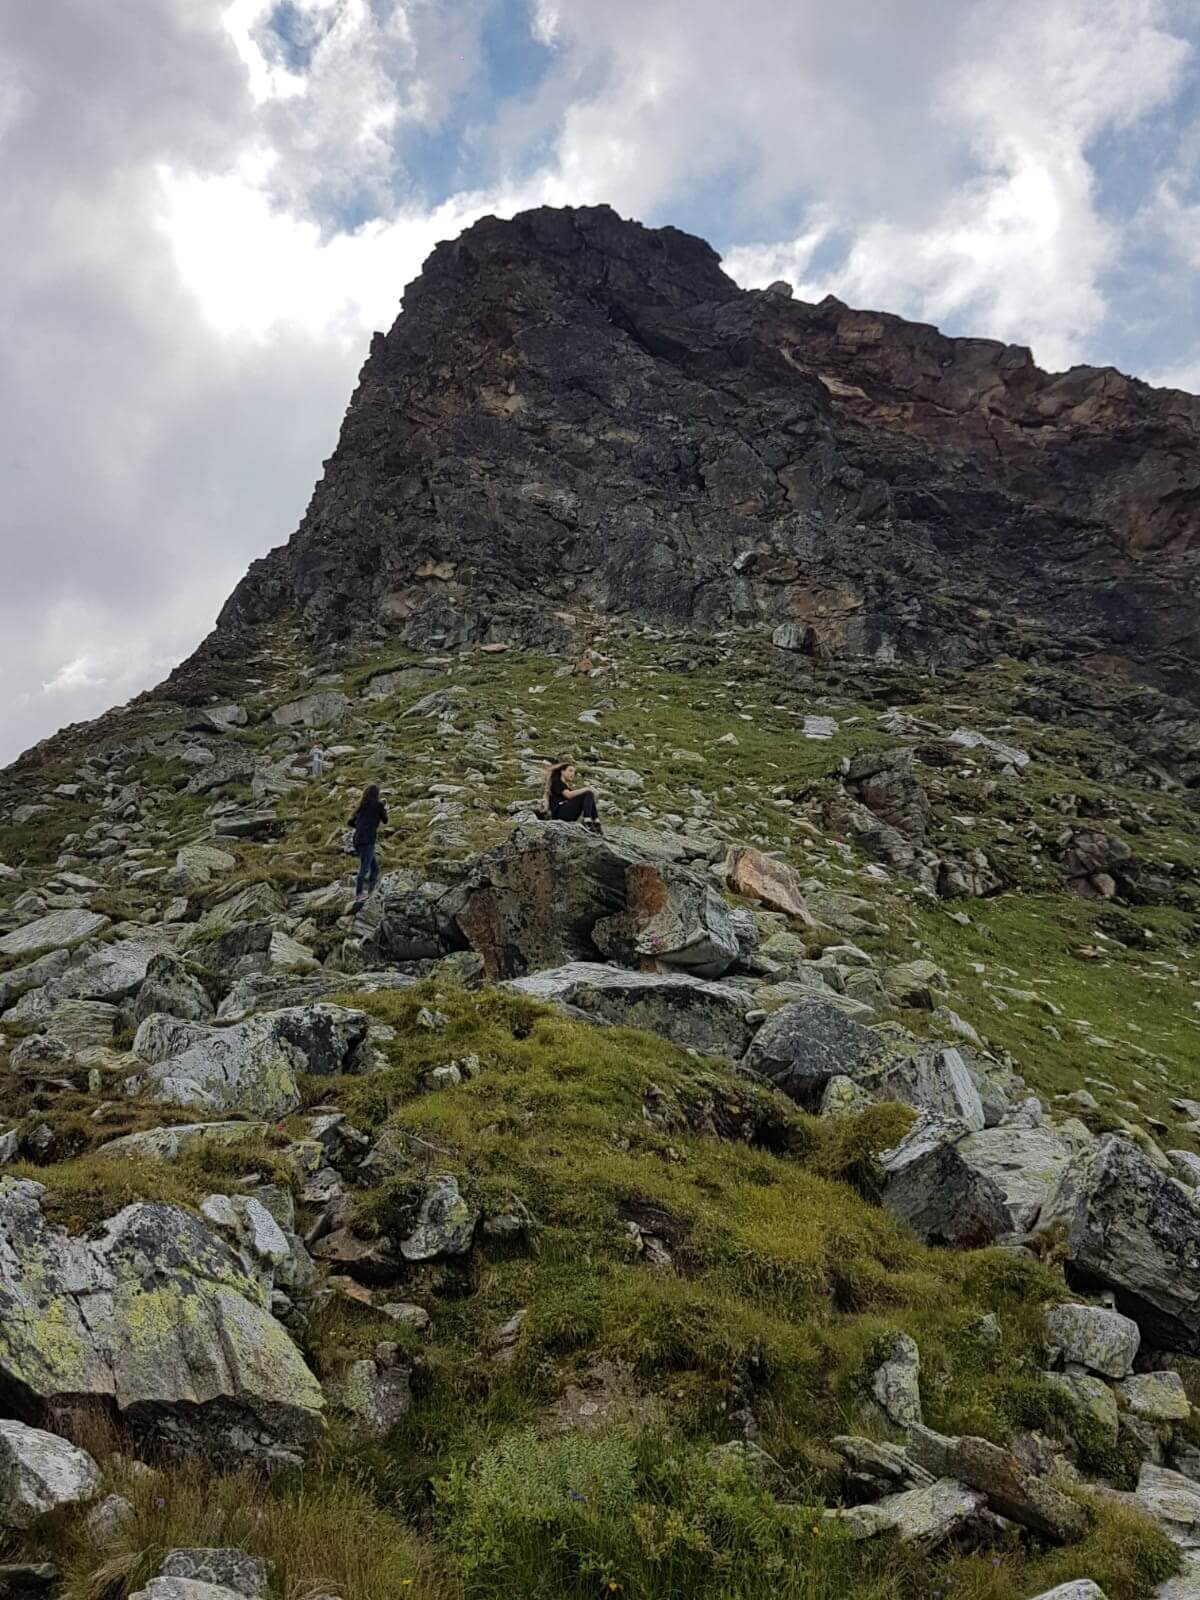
575,1494
160,1502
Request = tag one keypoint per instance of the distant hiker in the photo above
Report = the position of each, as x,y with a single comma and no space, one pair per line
365,822
316,760
565,804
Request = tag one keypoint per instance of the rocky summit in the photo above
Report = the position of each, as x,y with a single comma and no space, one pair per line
792,1189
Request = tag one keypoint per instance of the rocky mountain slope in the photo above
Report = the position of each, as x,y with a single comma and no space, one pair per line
795,1190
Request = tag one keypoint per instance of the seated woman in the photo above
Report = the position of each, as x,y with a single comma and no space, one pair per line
565,804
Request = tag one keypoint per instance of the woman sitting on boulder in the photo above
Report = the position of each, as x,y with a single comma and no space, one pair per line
365,822
564,804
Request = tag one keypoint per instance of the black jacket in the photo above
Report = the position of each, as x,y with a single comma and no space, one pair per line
365,823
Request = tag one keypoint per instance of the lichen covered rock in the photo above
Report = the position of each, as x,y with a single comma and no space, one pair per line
153,1317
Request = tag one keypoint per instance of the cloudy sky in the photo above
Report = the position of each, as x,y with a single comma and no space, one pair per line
207,206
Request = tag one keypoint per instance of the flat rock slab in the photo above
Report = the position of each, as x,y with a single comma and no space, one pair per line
710,1017
185,1589
60,930
168,1144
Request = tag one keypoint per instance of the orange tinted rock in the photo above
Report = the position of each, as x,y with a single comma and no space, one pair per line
772,883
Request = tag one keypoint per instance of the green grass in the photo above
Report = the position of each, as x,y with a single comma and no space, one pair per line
786,1280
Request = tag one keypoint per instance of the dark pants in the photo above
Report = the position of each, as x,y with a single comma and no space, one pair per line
368,871
581,809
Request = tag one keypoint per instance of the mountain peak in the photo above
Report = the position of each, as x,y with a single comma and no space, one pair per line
573,411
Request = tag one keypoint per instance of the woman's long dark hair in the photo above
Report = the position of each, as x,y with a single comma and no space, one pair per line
555,784
370,797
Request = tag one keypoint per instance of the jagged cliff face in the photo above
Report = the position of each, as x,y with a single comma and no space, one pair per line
577,413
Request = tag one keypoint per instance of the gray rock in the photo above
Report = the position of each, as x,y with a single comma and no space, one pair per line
1025,1164
34,975
112,973
1137,1232
153,1316
916,984
171,990
313,711
254,1066
671,919
445,1223
943,1200
896,1385
245,1575
1157,1396
927,1516
39,1472
877,1467
931,1079
1011,1490
1184,1164
223,717
105,1522
185,1589
59,930
168,1144
803,1045
1172,1501
1077,1589
1091,1398
1094,1337
710,1017
378,1396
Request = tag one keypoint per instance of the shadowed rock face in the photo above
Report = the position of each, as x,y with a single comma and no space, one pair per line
575,412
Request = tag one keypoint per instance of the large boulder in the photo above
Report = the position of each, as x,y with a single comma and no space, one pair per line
885,781
710,1017
958,1187
32,975
802,1046
60,930
254,1067
772,883
1130,1228
186,1589
671,919
39,1472
928,1186
926,1516
554,893
154,1317
313,711
931,1078
171,990
1094,1337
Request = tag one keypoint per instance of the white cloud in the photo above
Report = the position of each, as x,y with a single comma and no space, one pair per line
186,303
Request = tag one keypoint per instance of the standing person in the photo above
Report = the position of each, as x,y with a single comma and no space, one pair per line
365,822
570,805
316,760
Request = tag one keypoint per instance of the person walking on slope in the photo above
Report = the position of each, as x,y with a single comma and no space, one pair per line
365,822
316,761
565,804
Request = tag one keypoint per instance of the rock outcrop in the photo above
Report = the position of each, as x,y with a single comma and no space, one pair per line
616,425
